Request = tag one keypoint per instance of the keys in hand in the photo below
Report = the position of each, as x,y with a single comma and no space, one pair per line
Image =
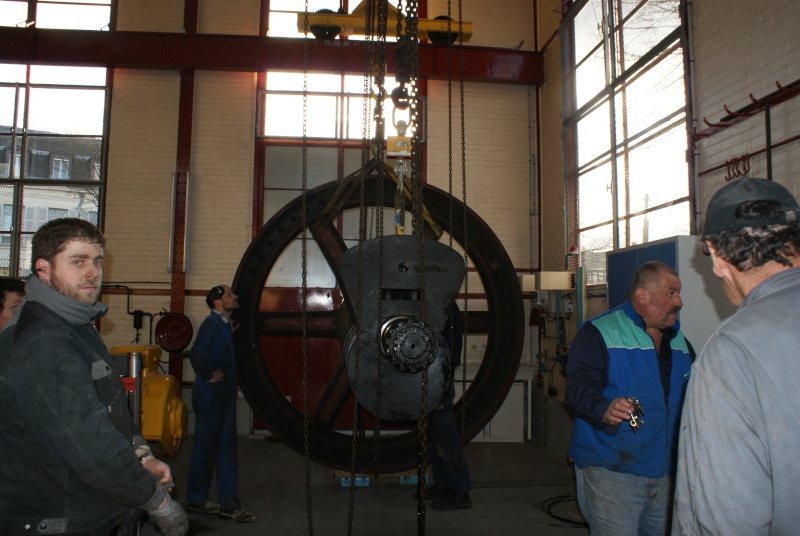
636,415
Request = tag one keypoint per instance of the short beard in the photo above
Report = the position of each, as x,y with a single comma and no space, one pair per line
70,292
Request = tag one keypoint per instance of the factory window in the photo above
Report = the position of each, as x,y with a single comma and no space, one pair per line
334,107
626,138
334,129
62,14
51,126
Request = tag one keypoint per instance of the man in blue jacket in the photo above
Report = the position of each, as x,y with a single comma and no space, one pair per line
625,474
214,404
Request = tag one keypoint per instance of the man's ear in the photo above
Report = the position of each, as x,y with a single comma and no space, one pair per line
43,270
721,266
641,295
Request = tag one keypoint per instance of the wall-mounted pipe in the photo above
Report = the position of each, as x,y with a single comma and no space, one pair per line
170,245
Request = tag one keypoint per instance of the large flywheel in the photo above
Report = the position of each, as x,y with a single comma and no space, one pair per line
269,339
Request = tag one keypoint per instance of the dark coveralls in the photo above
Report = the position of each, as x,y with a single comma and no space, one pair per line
215,441
448,463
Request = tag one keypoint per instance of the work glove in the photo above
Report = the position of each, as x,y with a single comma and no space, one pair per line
170,519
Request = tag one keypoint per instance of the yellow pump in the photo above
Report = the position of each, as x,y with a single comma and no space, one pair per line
164,421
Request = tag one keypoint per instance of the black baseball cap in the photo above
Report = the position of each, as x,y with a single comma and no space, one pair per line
721,212
214,294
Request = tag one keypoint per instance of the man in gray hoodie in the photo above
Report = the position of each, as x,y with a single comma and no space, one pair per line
738,468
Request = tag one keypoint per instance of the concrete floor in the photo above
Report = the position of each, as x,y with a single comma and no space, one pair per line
511,481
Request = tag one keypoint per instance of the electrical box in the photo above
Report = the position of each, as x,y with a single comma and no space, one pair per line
547,281
555,281
527,283
705,305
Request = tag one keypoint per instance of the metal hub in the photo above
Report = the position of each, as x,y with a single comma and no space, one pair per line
412,347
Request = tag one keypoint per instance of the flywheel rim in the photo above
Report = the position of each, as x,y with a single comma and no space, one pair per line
503,324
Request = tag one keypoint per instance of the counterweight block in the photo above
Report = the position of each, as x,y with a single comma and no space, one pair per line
396,343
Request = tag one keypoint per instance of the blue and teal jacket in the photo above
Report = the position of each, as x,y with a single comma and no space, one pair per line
613,356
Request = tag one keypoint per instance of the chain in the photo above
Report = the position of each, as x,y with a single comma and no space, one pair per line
383,14
411,40
304,254
466,228
368,67
456,458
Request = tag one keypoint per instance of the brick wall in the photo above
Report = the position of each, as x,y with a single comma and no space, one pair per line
498,146
150,15
743,48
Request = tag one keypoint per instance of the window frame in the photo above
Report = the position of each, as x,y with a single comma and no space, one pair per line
615,85
43,163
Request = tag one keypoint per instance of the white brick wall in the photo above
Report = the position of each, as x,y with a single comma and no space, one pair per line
231,17
743,48
150,15
220,205
142,148
498,147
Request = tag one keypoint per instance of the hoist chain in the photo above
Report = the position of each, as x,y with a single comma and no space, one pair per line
304,289
458,452
466,228
380,53
453,447
407,57
366,155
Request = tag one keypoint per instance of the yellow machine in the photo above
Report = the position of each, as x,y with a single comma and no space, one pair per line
164,417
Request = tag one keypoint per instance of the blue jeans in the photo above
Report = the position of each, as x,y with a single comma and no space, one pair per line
215,444
448,463
622,504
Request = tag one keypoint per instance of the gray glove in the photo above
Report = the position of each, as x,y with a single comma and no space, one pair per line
170,519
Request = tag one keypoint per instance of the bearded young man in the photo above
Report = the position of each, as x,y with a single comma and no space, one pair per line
73,462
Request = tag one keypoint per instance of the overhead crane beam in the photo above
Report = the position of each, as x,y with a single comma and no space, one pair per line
151,50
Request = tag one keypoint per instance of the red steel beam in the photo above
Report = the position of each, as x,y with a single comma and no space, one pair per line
149,50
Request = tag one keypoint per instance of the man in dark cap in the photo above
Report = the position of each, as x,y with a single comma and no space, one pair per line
738,468
214,402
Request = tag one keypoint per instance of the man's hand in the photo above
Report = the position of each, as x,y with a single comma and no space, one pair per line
159,469
619,410
217,376
170,518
